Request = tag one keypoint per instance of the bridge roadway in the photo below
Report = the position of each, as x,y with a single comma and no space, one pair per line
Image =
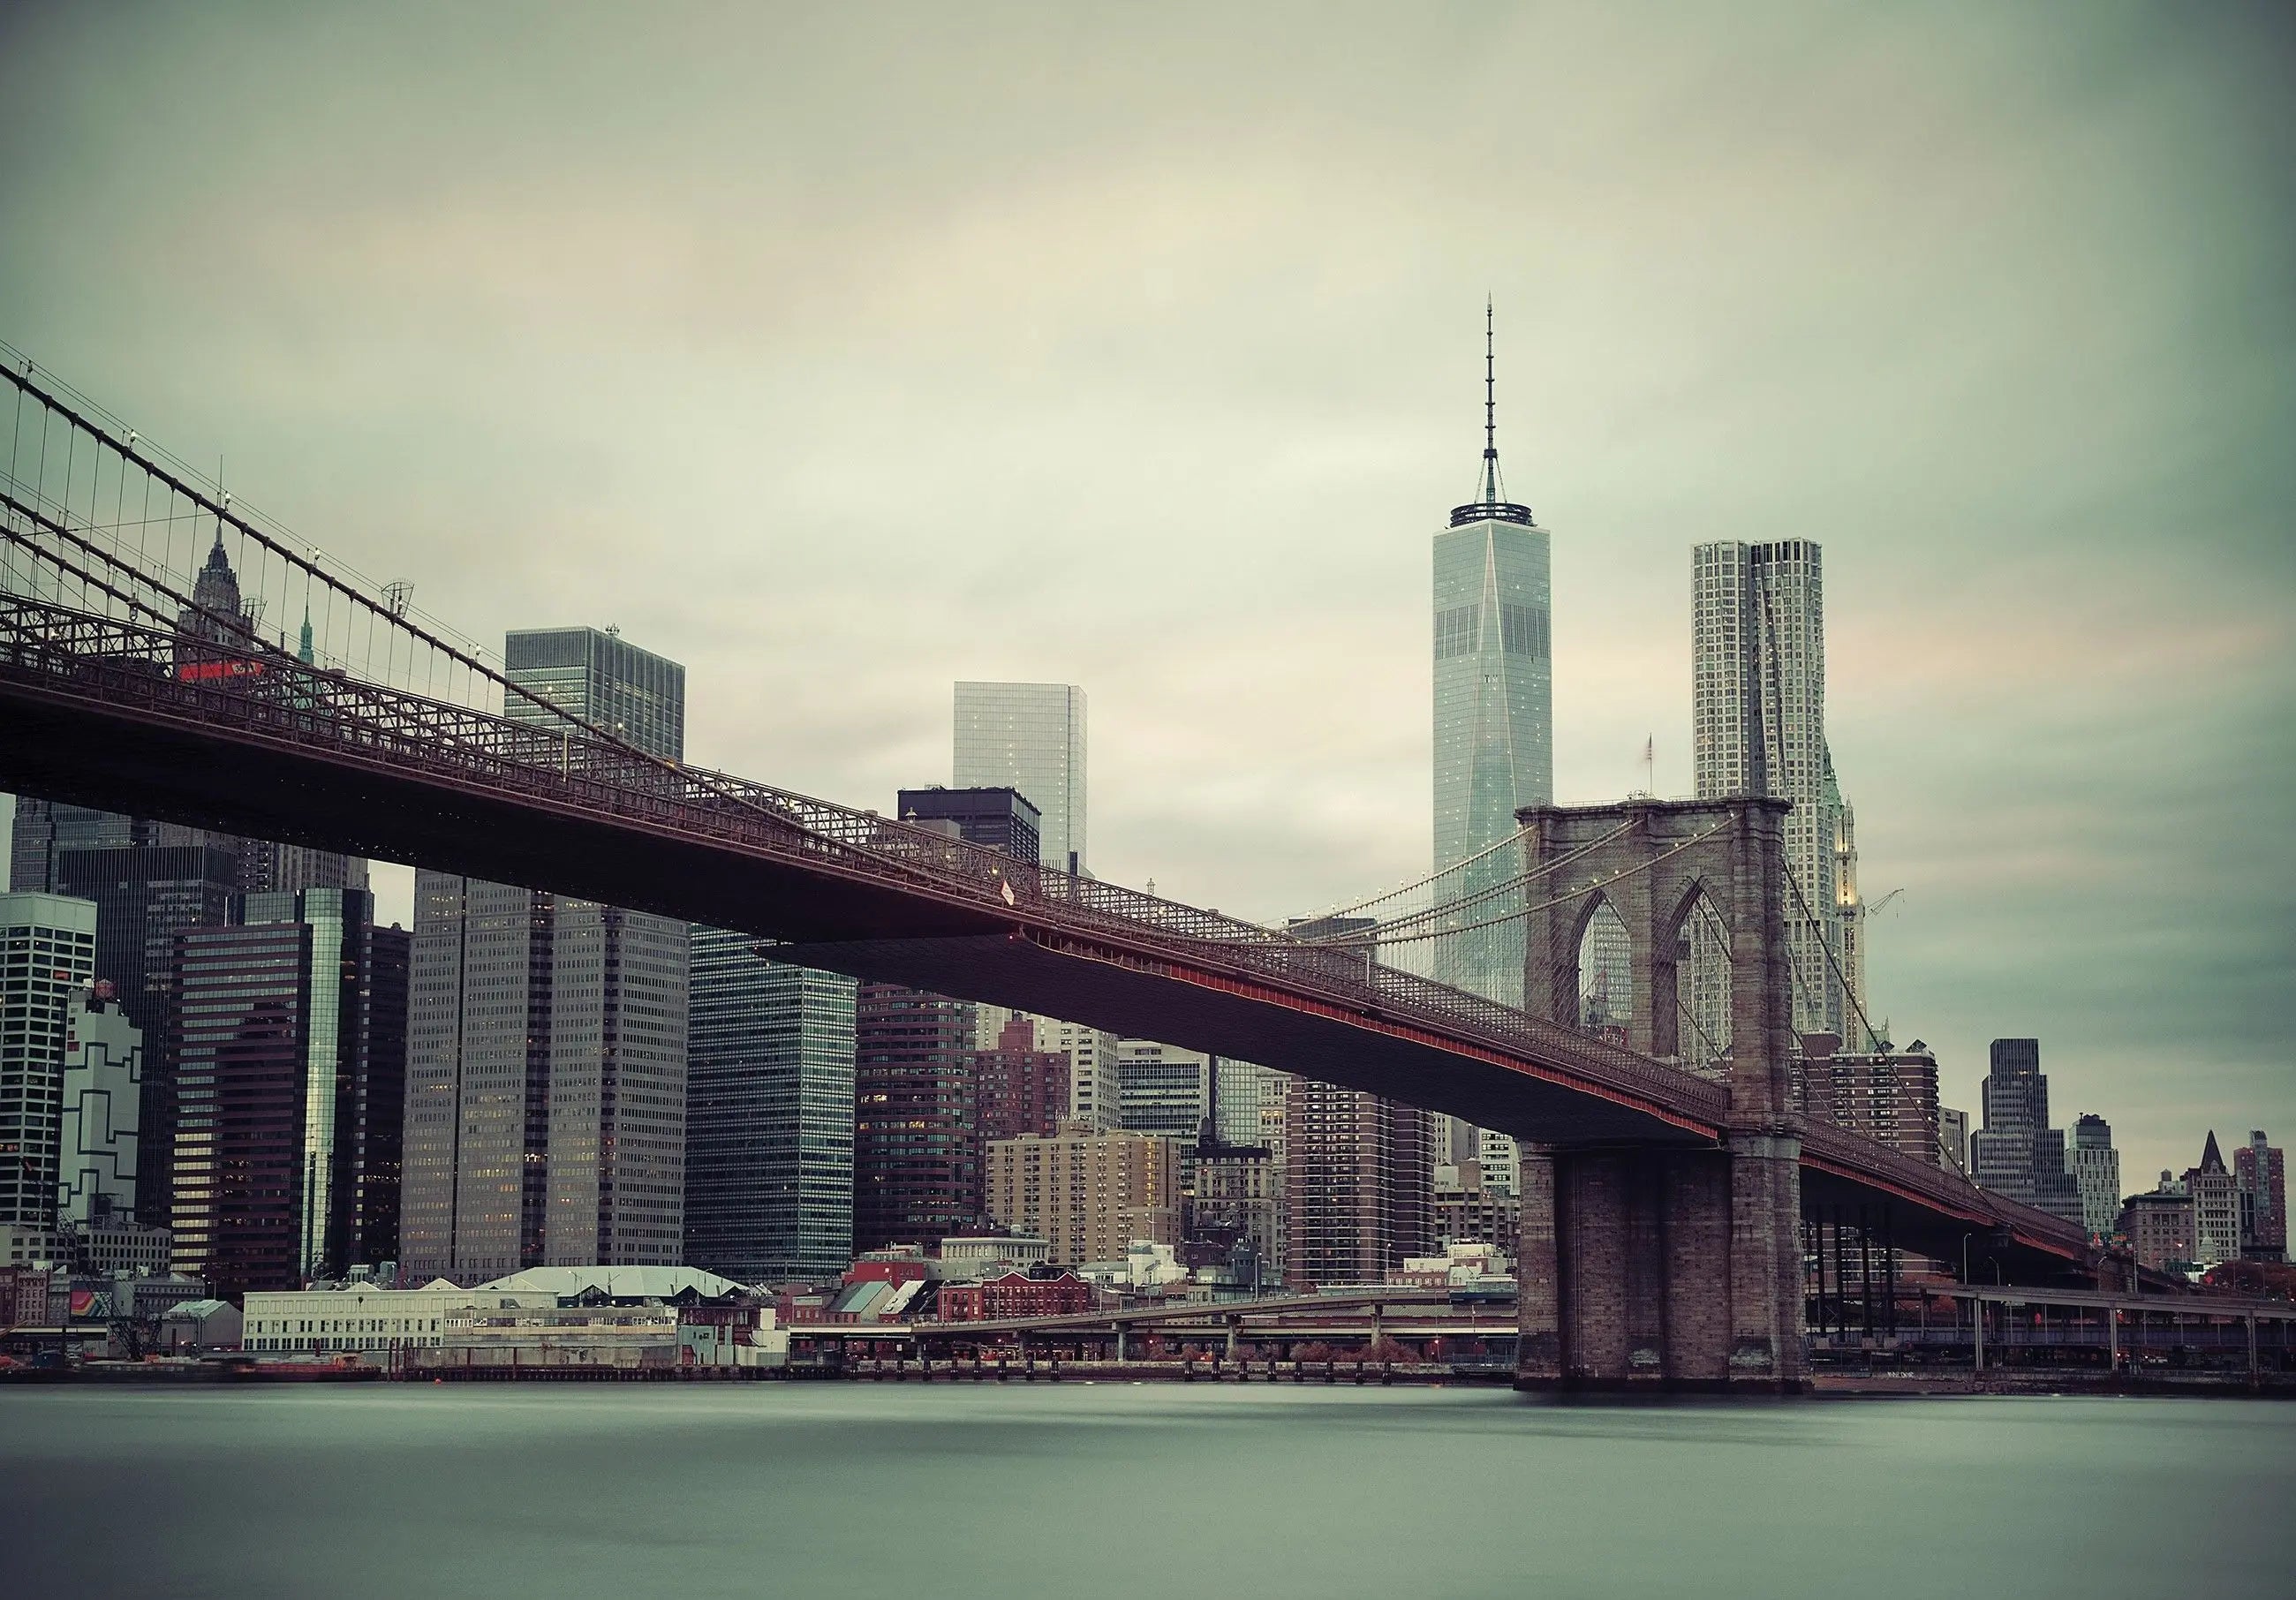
91,712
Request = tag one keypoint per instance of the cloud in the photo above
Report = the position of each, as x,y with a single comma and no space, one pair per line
843,357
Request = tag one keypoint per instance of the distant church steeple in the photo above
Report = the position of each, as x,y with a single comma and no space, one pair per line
1490,502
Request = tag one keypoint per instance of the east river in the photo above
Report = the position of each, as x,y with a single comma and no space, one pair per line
864,1491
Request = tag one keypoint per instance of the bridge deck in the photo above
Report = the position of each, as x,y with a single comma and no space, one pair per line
91,712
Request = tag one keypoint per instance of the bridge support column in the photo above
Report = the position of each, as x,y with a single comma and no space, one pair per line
1662,1268
1539,1293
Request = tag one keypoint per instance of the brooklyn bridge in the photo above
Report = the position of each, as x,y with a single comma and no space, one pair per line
1665,1205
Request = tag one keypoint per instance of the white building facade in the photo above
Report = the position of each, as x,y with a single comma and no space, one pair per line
102,1111
47,960
1758,727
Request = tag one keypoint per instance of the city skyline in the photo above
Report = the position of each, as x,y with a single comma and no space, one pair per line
1971,580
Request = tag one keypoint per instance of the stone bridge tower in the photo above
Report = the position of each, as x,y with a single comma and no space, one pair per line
1668,1265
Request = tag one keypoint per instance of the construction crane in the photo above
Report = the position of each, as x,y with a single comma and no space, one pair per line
1874,907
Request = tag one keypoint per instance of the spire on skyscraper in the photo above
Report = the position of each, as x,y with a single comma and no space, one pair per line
1490,502
1490,408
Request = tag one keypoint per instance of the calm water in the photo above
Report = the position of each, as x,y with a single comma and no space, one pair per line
867,1490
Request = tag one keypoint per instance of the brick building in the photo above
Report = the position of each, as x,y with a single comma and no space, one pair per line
1022,1089
1479,1216
2159,1226
916,1131
1088,1194
1357,1172
1891,1096
2260,1176
1014,1294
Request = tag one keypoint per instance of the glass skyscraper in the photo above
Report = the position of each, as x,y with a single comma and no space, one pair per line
1494,706
602,679
545,1090
1028,737
768,1115
286,1065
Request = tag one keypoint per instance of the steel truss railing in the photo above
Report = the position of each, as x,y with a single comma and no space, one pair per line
1851,1151
263,696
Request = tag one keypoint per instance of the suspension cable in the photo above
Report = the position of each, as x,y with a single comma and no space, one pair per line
1519,880
1872,1038
1374,941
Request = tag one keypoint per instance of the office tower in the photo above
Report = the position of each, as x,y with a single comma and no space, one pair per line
378,1096
916,1135
1095,1085
2096,1173
1356,1185
44,827
2260,1173
1239,1194
267,868
101,1107
2159,1226
917,1127
1028,737
1493,704
1022,1089
1953,1140
545,1090
2216,1207
601,678
47,959
278,1073
2017,1154
1002,820
769,1101
1086,1194
1501,1161
1358,1171
1238,1087
147,896
1163,1089
1889,1096
43,830
1758,727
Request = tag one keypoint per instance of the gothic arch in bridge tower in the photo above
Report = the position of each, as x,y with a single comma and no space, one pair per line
1603,996
1698,952
1664,1264
1663,866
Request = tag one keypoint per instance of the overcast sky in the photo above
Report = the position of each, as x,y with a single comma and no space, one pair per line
843,357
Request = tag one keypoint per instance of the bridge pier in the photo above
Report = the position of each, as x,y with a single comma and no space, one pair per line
1661,1268
1672,1265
